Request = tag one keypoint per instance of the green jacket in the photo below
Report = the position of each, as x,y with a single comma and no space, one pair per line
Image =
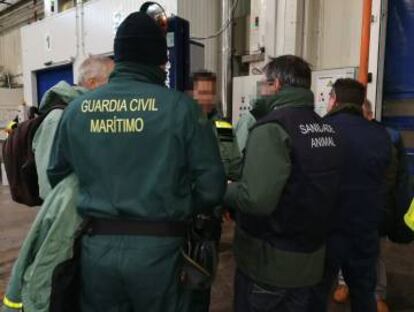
140,150
246,121
229,149
266,170
260,107
48,243
44,135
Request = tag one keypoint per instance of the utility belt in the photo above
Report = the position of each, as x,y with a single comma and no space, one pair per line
199,254
97,226
200,227
201,233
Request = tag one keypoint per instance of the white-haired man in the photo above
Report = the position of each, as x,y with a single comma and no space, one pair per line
93,73
57,219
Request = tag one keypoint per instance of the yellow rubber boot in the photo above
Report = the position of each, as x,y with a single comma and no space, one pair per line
341,294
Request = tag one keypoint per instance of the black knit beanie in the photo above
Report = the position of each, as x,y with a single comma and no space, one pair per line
139,39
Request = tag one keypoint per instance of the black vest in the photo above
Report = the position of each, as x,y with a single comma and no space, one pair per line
301,218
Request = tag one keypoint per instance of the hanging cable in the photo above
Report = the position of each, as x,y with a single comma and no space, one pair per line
223,28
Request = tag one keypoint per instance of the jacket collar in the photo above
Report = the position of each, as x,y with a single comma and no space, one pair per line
214,114
346,108
60,91
139,72
289,96
286,97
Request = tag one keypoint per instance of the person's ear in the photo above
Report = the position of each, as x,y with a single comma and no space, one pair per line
91,83
332,102
277,85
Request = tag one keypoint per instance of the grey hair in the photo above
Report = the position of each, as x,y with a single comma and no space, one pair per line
290,70
94,67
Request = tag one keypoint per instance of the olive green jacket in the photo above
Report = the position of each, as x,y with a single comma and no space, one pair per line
266,170
48,243
260,107
44,135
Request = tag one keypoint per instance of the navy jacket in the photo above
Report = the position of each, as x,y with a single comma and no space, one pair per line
367,150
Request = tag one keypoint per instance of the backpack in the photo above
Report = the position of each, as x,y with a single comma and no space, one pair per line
19,160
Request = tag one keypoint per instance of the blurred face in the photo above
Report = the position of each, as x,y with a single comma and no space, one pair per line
204,93
265,88
269,87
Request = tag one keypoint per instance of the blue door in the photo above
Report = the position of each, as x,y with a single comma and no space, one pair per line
47,78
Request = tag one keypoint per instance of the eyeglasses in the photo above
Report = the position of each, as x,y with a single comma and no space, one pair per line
157,13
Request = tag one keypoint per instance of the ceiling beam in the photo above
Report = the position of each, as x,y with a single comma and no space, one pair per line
9,8
5,2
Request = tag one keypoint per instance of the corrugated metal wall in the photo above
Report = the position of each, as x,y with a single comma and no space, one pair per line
11,19
22,13
11,52
205,19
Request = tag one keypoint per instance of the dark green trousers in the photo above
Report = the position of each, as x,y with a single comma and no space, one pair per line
200,300
132,274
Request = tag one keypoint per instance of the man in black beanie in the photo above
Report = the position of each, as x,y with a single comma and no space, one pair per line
145,157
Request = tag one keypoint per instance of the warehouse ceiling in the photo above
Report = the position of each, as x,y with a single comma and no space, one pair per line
4,4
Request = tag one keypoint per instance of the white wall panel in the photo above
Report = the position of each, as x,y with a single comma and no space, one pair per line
36,52
205,19
99,21
377,55
333,33
341,33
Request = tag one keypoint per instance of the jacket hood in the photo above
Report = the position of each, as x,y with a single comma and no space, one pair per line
62,91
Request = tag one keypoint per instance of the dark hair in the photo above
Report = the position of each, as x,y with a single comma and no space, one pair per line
349,90
290,70
202,75
33,111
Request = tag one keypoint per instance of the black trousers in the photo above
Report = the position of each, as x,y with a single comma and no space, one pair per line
250,297
357,258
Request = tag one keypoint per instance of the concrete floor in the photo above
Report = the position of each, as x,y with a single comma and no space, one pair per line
15,221
399,261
